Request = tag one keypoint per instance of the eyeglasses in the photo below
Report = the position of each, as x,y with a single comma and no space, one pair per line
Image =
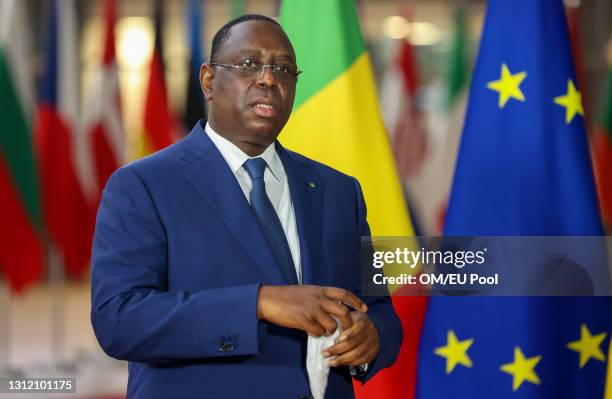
248,68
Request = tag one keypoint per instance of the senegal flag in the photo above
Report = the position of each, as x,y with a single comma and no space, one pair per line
335,117
336,120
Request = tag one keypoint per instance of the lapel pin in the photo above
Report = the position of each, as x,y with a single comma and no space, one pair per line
312,184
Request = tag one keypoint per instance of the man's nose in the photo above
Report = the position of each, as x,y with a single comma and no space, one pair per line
266,77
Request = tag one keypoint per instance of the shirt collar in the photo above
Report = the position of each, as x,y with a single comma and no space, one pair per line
235,157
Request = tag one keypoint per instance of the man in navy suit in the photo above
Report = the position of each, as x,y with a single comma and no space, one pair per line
215,258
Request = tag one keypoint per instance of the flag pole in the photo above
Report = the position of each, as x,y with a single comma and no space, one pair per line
5,331
57,287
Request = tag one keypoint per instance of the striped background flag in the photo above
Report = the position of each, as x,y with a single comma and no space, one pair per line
102,123
158,120
457,80
602,148
195,107
21,252
412,142
336,120
69,216
402,113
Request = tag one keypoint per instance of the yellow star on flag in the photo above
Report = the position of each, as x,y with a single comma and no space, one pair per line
508,86
572,101
522,369
455,352
588,346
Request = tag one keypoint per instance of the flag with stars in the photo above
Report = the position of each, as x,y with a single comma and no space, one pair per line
523,169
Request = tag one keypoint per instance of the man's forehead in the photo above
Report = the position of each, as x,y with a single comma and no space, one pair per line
254,37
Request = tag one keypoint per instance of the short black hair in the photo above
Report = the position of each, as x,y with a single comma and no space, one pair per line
224,33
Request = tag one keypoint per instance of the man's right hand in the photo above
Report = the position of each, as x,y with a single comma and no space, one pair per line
307,307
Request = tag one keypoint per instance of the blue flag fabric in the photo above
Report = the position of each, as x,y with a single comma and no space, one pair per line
523,169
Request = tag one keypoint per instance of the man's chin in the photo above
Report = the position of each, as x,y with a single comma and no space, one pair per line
265,130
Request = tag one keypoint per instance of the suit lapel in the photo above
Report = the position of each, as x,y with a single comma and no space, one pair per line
306,190
211,176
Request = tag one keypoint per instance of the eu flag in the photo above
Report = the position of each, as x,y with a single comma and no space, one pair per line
523,169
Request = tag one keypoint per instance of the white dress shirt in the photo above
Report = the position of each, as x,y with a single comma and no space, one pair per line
277,187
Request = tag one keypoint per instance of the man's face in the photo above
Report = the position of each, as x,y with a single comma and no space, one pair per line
250,110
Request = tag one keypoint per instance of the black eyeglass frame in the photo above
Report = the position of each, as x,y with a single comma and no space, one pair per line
260,70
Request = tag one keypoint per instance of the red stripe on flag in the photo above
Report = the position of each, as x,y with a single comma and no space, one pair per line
105,105
157,119
409,134
406,62
602,162
105,160
21,253
399,380
110,10
68,215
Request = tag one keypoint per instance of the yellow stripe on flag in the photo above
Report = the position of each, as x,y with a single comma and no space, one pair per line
341,126
608,393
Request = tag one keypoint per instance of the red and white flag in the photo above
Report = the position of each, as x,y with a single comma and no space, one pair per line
426,145
401,112
63,153
102,122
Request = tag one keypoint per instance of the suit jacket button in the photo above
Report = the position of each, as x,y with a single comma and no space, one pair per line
226,346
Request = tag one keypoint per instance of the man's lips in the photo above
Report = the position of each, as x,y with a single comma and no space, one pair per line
265,109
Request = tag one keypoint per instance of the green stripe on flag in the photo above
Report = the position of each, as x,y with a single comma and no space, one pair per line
237,8
457,73
338,37
605,116
16,144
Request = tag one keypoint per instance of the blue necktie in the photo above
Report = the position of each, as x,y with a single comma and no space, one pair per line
268,219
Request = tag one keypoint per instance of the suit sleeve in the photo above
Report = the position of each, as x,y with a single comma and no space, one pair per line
380,311
133,314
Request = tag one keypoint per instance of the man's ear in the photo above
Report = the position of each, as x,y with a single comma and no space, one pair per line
207,75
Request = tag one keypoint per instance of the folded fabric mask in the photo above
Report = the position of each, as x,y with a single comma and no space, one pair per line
317,366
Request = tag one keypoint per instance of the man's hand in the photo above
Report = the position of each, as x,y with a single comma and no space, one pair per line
308,307
357,345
